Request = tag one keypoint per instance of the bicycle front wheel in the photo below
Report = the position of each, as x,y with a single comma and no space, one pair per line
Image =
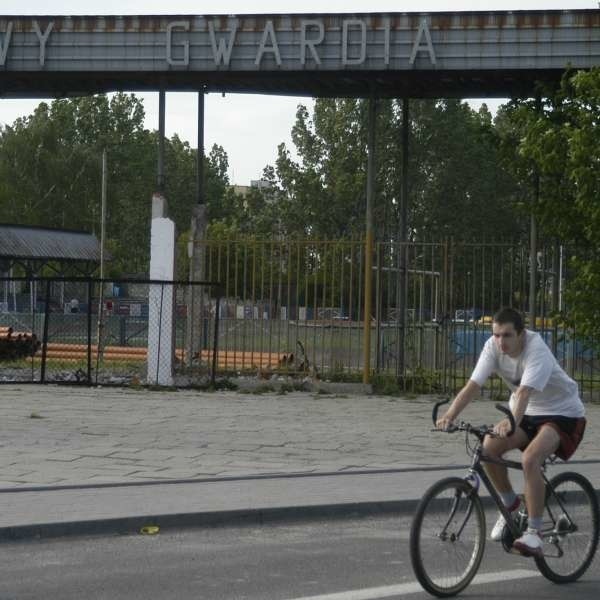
447,537
570,529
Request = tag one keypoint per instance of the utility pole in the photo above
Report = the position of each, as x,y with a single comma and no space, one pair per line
103,214
402,251
100,329
161,143
533,239
196,251
369,243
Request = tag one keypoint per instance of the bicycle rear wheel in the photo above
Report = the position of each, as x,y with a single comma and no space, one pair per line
447,537
570,529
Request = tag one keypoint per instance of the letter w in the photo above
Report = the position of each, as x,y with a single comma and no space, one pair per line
4,46
222,54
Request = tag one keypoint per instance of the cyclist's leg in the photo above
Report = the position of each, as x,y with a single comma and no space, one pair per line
545,442
496,448
543,445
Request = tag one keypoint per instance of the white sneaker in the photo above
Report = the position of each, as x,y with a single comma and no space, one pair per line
529,544
498,529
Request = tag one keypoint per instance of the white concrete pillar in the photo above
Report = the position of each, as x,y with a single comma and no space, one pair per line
161,298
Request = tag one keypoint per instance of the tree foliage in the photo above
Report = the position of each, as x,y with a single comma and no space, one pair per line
560,144
50,173
469,176
457,186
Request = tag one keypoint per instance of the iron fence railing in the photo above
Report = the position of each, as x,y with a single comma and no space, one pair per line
303,302
294,304
295,307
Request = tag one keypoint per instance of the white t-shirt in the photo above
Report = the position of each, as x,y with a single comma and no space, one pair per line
555,393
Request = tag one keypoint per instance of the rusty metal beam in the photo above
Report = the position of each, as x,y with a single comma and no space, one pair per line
460,54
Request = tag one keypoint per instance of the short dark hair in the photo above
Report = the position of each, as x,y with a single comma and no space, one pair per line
510,315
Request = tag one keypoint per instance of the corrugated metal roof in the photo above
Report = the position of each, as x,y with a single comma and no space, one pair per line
18,241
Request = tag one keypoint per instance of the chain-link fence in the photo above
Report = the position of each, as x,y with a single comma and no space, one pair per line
92,331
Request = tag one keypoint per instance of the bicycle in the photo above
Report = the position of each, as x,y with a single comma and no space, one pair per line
448,532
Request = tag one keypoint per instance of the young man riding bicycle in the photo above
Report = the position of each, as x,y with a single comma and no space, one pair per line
548,412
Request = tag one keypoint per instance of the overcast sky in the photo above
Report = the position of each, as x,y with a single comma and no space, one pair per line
249,127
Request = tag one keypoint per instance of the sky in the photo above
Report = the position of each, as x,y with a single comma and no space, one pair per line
249,127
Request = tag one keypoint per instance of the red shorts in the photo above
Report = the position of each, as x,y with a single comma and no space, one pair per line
569,429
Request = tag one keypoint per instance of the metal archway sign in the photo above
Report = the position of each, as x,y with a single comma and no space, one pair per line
452,54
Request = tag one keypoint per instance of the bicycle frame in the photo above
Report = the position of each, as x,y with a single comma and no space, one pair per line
477,474
447,536
477,470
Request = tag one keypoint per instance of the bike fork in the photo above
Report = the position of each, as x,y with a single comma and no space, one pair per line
457,498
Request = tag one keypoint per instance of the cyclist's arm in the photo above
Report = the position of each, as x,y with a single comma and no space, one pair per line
522,400
522,394
468,393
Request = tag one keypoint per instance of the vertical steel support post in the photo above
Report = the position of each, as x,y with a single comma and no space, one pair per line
100,323
555,294
89,330
447,309
213,372
160,182
103,212
200,153
403,236
45,334
369,238
378,306
533,241
197,252
160,316
533,263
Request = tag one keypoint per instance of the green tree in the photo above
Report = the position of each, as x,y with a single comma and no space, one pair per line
561,144
457,186
323,195
50,173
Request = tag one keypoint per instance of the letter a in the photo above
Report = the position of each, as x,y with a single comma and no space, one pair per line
418,46
4,46
274,48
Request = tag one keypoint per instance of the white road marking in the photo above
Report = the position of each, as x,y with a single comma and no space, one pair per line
413,588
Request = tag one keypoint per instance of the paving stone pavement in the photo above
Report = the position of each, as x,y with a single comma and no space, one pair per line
53,435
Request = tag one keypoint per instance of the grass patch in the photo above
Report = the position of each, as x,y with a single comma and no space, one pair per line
343,376
258,390
291,386
322,392
411,384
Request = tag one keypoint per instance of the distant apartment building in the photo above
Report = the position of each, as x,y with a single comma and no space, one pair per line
243,190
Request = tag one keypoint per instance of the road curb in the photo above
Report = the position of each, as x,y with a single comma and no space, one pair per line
210,516
258,516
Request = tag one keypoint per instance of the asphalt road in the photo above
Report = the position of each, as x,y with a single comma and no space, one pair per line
359,559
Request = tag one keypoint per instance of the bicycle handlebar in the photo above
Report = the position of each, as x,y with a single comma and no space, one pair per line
500,407
509,415
435,409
